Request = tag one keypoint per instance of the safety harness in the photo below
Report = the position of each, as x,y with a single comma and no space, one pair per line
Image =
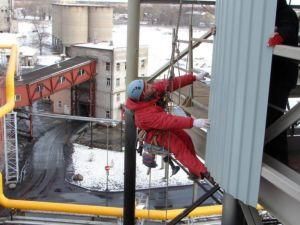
149,150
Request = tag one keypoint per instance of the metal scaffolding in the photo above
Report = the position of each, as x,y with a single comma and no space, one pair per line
11,149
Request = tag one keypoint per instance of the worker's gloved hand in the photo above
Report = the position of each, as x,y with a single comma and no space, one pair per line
201,123
276,39
201,74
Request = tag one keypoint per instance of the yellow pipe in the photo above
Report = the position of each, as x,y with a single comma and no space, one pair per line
9,83
101,210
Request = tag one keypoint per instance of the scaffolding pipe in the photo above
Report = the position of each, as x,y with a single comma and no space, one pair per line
182,54
133,31
5,202
9,82
132,59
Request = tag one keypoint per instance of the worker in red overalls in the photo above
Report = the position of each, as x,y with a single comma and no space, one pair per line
167,129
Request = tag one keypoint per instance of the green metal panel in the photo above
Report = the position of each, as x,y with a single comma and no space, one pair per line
239,94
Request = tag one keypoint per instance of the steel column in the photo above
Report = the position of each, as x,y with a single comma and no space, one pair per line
133,32
130,169
232,212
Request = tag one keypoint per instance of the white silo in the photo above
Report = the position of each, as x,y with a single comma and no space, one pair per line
56,21
5,15
74,19
100,23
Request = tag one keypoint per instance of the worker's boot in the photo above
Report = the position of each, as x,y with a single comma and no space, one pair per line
208,177
175,170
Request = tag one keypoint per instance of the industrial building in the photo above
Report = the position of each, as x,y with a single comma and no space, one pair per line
86,30
111,72
80,23
232,146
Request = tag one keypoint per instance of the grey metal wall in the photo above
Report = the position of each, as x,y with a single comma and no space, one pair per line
239,93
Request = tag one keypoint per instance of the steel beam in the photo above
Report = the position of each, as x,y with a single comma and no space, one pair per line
282,123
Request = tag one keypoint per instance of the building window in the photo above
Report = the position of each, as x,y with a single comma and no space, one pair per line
59,104
62,79
39,88
17,98
107,114
142,75
107,82
107,66
143,63
80,72
125,66
118,66
118,97
118,82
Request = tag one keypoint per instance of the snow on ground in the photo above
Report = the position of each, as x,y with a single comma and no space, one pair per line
90,163
46,60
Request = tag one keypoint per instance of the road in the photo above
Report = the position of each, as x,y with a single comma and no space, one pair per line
45,179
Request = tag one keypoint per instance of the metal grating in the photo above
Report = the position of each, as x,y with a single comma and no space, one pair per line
239,94
11,149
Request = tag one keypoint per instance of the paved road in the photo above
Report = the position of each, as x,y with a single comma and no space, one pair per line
46,181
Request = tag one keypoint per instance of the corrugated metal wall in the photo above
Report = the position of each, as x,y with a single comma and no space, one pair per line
239,93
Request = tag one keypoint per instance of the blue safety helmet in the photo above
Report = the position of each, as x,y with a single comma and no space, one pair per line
135,89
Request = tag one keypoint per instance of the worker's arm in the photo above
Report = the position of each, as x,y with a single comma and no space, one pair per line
175,83
162,121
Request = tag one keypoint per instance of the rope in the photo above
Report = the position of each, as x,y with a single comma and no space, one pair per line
149,192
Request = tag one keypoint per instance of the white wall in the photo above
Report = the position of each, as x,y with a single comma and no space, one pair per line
110,97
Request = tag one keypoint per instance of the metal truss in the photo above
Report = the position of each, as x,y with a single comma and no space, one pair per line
11,149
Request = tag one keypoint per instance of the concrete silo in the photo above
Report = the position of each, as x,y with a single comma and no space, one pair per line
74,20
56,24
100,23
5,16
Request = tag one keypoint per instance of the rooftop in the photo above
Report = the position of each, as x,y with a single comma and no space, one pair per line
100,45
48,71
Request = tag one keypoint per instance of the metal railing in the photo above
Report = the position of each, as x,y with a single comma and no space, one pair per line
9,81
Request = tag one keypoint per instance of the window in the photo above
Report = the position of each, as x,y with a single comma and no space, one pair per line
59,104
118,66
62,79
118,82
118,97
80,72
17,98
107,66
142,75
143,63
108,82
39,88
125,66
107,114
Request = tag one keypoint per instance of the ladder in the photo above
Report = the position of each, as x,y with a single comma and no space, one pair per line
11,150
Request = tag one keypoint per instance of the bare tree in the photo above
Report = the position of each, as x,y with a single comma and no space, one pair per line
40,28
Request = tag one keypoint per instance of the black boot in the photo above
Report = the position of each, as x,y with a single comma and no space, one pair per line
174,168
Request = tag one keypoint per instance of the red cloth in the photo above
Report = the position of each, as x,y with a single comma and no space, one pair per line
167,127
277,39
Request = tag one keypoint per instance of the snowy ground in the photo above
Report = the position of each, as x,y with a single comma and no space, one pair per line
90,163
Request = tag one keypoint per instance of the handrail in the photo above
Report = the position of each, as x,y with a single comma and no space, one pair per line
9,80
101,210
